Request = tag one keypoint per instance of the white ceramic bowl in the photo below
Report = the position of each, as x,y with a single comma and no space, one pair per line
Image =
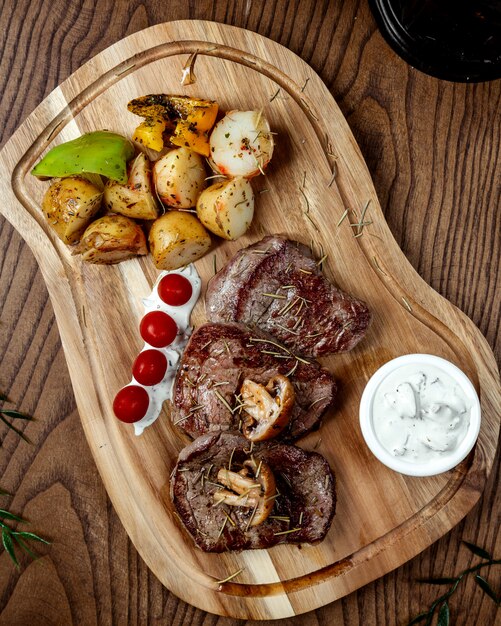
431,467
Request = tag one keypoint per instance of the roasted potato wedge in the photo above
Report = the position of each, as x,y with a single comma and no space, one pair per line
176,239
179,177
69,205
135,199
111,239
227,208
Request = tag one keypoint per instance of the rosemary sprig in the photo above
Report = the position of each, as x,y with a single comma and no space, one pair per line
288,330
251,517
221,399
231,577
292,370
319,441
259,251
359,226
407,305
345,214
223,382
229,519
333,173
222,528
287,532
306,212
13,414
273,343
442,602
316,402
285,309
321,261
286,479
217,485
275,95
273,497
258,471
231,459
11,537
301,360
378,267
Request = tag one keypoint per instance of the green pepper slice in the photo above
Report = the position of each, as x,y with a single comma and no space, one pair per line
100,152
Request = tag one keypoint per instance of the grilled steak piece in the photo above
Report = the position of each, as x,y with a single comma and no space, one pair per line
215,363
304,481
276,285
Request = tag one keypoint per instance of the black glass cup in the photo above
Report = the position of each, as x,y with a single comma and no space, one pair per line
456,40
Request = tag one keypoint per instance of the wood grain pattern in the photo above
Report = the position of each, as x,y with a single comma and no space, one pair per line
141,602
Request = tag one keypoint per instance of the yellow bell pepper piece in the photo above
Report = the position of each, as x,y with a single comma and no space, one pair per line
186,136
200,113
150,133
192,118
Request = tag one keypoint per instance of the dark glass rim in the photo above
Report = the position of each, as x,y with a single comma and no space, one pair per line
426,57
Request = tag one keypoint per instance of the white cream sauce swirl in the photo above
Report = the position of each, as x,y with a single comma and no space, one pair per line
420,413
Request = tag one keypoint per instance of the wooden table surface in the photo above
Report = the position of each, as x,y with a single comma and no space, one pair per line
433,149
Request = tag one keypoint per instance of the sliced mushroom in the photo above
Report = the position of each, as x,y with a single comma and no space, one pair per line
247,488
252,489
264,475
268,408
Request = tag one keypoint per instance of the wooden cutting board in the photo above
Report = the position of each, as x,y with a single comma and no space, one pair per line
383,519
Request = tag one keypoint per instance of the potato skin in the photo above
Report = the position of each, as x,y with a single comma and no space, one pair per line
111,239
179,177
69,205
135,199
227,208
176,239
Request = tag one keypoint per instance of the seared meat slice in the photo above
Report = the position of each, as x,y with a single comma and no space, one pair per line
276,285
216,361
305,497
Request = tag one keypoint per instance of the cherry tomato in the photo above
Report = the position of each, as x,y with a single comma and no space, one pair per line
175,289
158,329
149,368
131,403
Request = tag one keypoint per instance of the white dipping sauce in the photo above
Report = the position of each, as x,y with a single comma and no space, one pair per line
420,413
161,392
